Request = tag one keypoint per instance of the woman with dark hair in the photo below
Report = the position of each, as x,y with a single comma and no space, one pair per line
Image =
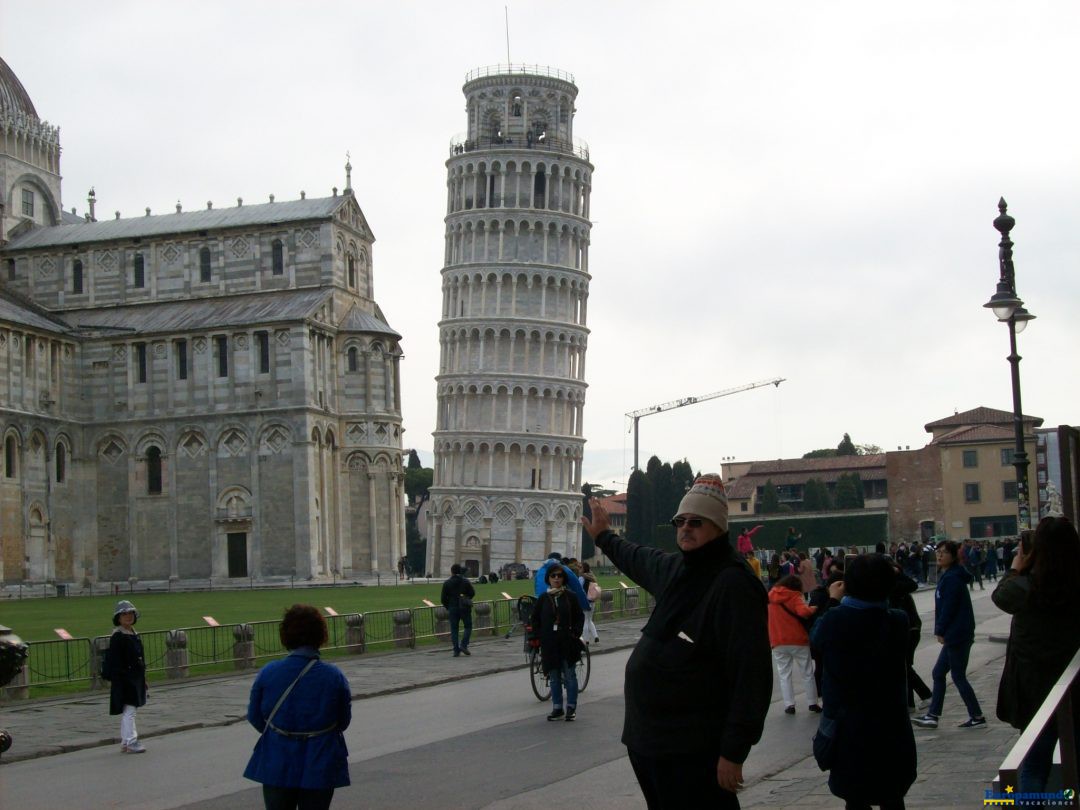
872,757
790,642
558,619
1039,590
954,628
301,707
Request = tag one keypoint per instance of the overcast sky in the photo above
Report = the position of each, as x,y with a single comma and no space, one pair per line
782,189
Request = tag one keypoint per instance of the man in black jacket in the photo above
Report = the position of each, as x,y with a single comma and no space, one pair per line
699,682
457,596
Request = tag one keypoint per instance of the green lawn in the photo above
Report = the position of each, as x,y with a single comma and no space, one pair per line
85,616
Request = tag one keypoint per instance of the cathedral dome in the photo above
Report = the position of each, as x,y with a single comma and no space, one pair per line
14,100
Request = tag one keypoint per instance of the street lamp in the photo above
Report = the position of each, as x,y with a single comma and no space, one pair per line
1008,308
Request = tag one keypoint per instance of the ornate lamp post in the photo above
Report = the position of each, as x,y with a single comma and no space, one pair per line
1009,309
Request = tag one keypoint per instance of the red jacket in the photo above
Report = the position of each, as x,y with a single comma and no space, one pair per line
785,629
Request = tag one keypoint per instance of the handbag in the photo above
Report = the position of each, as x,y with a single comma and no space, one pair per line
465,602
824,742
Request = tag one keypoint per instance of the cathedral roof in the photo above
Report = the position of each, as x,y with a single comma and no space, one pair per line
225,312
14,308
14,100
356,320
241,216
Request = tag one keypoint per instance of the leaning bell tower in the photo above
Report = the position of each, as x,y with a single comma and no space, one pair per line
515,281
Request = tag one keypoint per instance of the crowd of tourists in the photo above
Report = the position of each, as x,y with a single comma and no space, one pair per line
698,684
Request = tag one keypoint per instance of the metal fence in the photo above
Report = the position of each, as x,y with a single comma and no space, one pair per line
176,654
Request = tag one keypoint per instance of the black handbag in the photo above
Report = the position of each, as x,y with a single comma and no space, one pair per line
825,742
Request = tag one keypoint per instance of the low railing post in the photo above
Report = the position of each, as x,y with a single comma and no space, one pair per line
243,646
354,633
404,634
1066,727
176,654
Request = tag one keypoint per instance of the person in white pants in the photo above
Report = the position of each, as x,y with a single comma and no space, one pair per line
592,591
790,641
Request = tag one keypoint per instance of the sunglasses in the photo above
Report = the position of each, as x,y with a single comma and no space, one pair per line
693,523
556,574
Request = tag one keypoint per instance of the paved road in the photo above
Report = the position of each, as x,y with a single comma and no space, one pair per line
475,743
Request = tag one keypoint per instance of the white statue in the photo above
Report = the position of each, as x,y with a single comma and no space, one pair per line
1053,501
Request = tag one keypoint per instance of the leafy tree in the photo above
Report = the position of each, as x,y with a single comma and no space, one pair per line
659,475
682,478
824,452
640,510
417,483
849,491
770,499
868,449
414,461
816,496
846,447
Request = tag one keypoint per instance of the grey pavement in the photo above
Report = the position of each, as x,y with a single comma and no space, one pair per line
955,765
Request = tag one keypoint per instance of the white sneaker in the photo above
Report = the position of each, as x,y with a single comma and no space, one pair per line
134,747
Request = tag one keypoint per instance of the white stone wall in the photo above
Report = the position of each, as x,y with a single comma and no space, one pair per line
513,337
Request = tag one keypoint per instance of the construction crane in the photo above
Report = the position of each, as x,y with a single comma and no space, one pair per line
680,403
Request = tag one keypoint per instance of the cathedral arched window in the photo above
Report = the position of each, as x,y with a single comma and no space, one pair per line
77,277
351,261
204,265
11,269
61,462
354,359
515,106
277,251
11,457
153,471
139,271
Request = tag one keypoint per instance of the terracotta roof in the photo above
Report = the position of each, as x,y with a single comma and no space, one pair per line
976,433
615,504
979,416
816,465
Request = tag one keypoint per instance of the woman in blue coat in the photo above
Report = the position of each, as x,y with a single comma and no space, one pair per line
301,706
863,642
954,628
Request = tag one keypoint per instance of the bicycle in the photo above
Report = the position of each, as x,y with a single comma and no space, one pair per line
539,681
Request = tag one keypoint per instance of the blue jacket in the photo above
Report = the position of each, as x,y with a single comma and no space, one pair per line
954,619
572,582
321,700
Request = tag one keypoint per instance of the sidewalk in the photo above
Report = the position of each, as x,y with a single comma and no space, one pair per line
45,728
955,765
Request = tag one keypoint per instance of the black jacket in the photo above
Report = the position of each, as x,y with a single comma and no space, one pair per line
126,670
707,687
864,685
558,621
453,589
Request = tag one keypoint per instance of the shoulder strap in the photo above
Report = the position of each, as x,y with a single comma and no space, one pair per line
285,694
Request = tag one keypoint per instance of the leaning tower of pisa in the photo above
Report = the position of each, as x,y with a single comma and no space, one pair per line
511,383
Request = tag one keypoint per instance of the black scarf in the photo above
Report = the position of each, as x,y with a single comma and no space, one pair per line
699,569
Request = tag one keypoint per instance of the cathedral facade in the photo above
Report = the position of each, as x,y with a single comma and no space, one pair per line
511,383
189,395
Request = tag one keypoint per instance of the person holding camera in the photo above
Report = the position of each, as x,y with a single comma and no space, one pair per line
1039,591
457,596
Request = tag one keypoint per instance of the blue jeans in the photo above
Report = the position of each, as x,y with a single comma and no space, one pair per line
465,617
564,674
953,658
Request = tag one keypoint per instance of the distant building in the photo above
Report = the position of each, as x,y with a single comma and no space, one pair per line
747,481
210,393
978,478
